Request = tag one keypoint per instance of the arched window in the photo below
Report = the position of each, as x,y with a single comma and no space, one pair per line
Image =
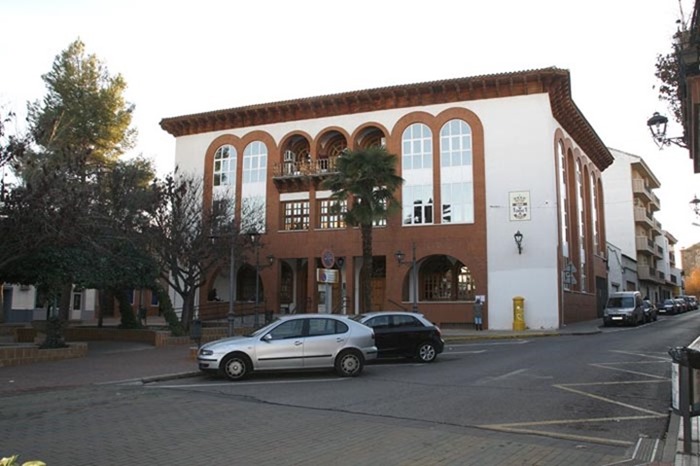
443,278
593,189
225,166
563,211
255,163
253,192
456,173
417,171
581,221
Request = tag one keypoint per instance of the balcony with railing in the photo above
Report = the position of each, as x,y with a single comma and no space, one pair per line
296,171
645,245
640,188
648,273
644,218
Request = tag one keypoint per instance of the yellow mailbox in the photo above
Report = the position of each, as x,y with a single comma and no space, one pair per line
518,313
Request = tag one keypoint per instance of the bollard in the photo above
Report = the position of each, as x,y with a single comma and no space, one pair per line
518,313
196,332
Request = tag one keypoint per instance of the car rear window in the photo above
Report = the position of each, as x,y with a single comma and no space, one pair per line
406,321
326,327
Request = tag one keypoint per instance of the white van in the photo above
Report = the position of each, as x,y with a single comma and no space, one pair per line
624,307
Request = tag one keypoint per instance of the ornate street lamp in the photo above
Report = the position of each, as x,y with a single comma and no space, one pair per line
657,126
695,205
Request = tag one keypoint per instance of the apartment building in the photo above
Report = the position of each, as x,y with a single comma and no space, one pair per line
630,204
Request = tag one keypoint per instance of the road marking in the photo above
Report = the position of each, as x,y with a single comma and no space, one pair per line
530,427
559,435
583,384
609,367
499,377
467,352
247,384
644,355
492,343
608,400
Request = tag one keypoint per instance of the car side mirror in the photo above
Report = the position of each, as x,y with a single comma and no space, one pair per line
267,338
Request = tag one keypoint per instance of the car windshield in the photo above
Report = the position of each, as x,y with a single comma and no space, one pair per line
668,301
626,301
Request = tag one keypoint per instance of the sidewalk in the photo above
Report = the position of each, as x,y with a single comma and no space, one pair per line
124,362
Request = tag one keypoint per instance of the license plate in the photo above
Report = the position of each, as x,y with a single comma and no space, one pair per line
617,318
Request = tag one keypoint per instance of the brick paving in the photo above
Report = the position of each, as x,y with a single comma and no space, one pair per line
126,425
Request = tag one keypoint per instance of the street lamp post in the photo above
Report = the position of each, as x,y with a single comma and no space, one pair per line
232,291
230,316
255,241
414,274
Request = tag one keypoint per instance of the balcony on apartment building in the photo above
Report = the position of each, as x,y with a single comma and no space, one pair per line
649,273
646,245
640,188
642,216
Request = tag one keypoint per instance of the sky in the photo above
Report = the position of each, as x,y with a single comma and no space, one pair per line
182,57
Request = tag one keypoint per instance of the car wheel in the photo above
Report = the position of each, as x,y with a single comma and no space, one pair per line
349,363
426,352
236,366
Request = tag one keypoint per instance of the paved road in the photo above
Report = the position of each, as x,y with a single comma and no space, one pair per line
99,411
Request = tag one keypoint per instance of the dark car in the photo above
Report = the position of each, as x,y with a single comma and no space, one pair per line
669,306
404,334
680,302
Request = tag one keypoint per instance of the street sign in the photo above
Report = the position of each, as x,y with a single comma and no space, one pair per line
327,275
328,258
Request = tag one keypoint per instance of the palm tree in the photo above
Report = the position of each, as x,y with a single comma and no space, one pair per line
366,179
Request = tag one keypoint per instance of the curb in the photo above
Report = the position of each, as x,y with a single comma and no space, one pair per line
671,441
458,338
152,378
164,377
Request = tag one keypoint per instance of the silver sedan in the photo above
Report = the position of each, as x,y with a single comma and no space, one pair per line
304,341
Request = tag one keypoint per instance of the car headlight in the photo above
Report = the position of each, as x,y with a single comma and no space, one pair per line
205,352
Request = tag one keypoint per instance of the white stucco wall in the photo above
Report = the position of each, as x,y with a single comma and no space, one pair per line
616,279
619,204
519,156
519,148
